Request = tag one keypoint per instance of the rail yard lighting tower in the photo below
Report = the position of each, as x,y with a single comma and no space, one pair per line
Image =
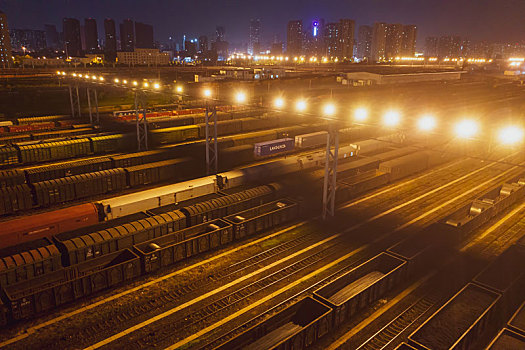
212,154
330,170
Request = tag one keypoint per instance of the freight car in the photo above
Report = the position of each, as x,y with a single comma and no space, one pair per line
296,327
507,340
458,323
517,322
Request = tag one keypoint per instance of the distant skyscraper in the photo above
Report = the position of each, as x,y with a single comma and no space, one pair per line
431,46
408,43
27,40
143,36
294,42
379,41
255,36
220,33
91,34
315,38
52,38
191,47
72,41
127,36
110,50
203,43
5,42
394,37
466,49
449,46
331,40
346,38
364,42
277,48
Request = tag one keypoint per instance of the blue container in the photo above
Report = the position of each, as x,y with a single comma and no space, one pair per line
269,148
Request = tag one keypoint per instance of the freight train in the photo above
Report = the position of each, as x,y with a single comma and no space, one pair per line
456,325
49,275
62,220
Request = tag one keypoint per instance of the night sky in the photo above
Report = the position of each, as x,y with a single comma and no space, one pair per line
502,20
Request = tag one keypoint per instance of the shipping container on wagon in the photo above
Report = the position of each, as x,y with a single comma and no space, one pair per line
31,297
180,245
269,148
63,169
263,217
517,322
502,276
459,323
10,178
48,224
405,166
371,147
27,261
227,205
315,139
296,327
361,286
78,248
507,340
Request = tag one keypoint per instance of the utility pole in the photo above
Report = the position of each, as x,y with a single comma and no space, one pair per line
95,102
212,155
330,171
74,99
140,120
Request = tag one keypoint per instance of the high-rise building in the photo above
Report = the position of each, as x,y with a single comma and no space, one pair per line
91,35
466,48
408,42
364,42
431,46
23,40
52,38
394,37
110,49
191,47
203,44
255,36
143,36
449,46
220,33
379,41
127,36
332,40
315,38
72,40
294,38
5,42
277,49
346,38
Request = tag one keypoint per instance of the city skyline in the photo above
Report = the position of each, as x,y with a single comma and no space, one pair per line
466,18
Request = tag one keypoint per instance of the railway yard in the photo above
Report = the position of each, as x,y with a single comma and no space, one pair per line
103,246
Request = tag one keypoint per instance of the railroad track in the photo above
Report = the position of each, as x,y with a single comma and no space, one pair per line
169,297
398,325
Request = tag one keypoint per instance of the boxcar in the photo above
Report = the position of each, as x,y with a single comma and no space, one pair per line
460,322
42,225
177,246
157,172
12,178
138,158
8,155
507,340
43,293
111,143
315,139
263,217
174,135
405,166
361,286
21,262
227,205
15,198
63,169
79,248
45,151
296,327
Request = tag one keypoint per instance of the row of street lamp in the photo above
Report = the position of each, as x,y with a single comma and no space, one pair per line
465,129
